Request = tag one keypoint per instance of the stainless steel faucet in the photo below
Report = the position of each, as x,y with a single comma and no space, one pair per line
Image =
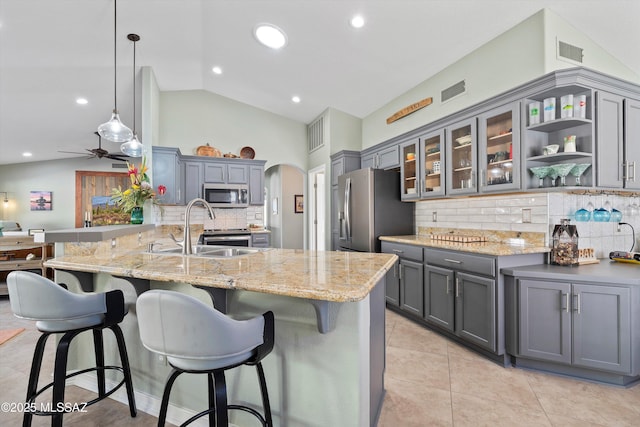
186,240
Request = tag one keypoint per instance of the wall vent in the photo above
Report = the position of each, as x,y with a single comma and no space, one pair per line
118,165
315,134
567,51
452,91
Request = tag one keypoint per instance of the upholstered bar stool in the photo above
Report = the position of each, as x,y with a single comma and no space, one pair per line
196,338
58,311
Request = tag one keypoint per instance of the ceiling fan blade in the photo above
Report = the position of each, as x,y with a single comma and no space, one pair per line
71,152
119,157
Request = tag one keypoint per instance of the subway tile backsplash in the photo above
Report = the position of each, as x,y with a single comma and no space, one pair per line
225,218
543,210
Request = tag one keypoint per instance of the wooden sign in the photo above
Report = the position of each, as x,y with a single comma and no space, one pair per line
410,109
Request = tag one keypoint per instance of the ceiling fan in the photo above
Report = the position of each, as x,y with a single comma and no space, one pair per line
101,152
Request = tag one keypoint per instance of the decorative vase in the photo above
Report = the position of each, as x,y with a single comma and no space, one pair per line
136,215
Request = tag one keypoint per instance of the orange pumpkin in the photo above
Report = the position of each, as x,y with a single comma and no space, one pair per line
207,150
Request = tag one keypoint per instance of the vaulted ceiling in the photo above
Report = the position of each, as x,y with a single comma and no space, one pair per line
54,51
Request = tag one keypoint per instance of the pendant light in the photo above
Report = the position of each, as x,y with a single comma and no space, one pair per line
133,147
114,130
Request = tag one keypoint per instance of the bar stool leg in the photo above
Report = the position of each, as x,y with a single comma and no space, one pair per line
126,369
265,395
221,398
59,376
34,375
165,396
98,346
212,399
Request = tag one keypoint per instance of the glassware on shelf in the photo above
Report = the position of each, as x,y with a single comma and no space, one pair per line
583,215
616,215
540,172
553,174
562,170
578,170
601,215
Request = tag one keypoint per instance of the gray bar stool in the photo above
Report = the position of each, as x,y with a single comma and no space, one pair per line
56,310
196,338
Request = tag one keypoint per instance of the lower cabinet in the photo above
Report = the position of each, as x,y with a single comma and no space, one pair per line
462,303
260,240
404,283
582,325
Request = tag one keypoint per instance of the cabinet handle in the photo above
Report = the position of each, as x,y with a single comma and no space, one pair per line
633,169
455,261
457,287
577,298
399,251
482,178
625,171
448,283
566,307
400,272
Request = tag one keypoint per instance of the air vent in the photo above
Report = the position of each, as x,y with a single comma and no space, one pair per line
567,51
118,165
452,91
315,134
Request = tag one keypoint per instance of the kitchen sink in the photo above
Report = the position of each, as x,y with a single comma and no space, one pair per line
210,251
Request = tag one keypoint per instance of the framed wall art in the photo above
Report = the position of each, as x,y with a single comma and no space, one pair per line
298,203
40,201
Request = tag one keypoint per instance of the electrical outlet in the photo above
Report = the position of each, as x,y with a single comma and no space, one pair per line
434,216
526,216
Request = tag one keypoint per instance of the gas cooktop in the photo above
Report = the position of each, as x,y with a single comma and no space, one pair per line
226,232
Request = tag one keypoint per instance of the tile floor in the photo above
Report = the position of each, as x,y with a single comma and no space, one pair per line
430,381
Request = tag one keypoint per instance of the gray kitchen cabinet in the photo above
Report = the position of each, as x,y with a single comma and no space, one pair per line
618,133
462,152
499,149
260,240
166,169
193,178
256,184
432,164
410,170
225,173
341,162
460,302
404,283
382,158
582,325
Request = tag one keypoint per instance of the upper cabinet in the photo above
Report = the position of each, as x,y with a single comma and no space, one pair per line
559,138
167,170
217,172
432,161
462,152
499,149
383,158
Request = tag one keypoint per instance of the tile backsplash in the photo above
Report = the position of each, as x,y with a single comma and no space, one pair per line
536,212
225,218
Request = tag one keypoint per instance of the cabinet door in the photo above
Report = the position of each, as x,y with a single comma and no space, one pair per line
237,174
609,140
368,161
432,163
337,169
462,155
632,143
215,173
410,175
439,296
192,180
392,286
602,327
499,149
476,310
389,158
545,320
411,292
256,185
166,171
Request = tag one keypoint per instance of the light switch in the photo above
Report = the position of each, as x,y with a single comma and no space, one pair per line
526,215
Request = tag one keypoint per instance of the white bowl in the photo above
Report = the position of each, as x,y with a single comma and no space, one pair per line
464,140
550,149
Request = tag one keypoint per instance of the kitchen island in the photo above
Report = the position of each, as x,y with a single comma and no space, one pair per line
328,361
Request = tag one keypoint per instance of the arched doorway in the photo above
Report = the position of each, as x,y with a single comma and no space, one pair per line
284,206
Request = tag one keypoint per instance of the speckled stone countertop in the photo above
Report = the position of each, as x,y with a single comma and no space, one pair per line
498,243
319,275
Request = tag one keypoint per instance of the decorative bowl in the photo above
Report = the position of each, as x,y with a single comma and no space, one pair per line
464,140
550,149
247,153
583,215
616,215
601,215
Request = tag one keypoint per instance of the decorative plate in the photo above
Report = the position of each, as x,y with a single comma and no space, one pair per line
247,153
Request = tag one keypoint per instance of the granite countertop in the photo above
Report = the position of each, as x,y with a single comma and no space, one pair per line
318,275
488,248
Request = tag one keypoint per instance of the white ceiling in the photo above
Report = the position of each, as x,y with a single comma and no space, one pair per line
53,51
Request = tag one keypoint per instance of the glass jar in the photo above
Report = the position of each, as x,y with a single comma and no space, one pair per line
565,244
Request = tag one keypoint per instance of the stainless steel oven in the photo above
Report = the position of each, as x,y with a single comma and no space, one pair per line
234,237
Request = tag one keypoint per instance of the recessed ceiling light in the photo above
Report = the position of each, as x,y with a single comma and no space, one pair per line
295,99
27,154
217,70
357,21
82,101
270,36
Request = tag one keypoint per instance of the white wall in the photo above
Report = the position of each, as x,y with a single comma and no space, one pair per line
287,228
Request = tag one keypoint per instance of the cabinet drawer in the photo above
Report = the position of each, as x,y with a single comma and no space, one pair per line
461,261
403,251
260,238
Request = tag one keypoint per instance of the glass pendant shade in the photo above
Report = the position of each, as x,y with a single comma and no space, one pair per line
114,130
133,147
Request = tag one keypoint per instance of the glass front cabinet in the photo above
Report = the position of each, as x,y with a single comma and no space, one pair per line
409,170
432,149
499,149
462,153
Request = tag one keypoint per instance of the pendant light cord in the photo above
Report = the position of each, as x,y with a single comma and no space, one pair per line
134,87
115,59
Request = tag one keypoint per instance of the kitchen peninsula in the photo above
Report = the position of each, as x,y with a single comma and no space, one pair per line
328,362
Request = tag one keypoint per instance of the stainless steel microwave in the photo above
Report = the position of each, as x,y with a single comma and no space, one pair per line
226,195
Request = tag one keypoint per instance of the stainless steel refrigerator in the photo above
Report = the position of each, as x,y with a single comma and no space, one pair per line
369,207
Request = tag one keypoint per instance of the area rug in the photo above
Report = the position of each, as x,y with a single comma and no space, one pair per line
7,334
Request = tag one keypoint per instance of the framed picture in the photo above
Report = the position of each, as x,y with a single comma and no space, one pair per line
40,201
298,203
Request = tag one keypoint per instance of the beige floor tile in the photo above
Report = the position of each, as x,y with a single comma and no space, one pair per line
427,369
413,337
477,412
411,404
